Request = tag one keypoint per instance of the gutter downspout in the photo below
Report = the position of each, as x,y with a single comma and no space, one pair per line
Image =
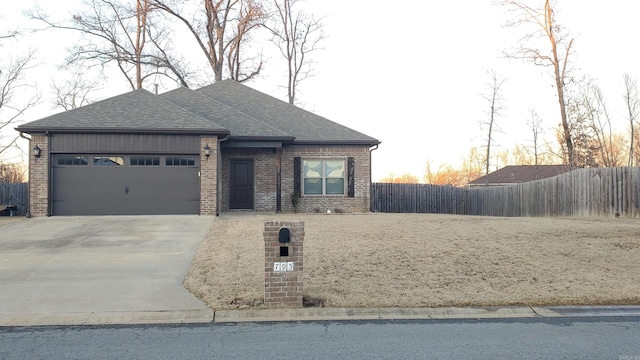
28,213
49,179
279,179
370,173
218,173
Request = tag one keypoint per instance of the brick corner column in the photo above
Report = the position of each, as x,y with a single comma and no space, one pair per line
209,176
283,263
39,176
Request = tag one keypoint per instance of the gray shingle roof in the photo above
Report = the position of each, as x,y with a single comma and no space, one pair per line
239,124
306,126
513,174
226,107
136,111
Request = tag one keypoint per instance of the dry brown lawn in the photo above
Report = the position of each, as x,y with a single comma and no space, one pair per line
428,260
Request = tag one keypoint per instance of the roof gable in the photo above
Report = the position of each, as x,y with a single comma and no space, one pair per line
514,174
306,126
136,111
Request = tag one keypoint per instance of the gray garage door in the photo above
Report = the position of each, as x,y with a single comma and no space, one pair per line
125,185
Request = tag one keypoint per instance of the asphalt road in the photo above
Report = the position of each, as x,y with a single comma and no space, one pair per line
548,338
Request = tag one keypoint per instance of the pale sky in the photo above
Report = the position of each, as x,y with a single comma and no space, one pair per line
411,73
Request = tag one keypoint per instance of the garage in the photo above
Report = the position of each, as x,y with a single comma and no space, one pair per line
133,154
109,184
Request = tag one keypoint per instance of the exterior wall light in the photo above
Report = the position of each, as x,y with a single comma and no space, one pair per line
207,150
36,151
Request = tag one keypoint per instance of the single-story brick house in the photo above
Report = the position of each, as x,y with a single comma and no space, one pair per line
223,147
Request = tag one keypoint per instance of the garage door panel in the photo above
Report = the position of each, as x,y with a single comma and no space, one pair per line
85,191
162,192
125,190
163,207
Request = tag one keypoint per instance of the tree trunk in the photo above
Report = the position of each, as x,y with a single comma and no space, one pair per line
559,77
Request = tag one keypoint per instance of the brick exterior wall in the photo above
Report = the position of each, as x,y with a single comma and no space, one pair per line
265,176
214,173
321,203
39,176
209,176
283,289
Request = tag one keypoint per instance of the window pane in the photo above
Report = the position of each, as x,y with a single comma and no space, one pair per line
312,169
72,160
144,161
180,161
334,168
335,186
313,186
108,160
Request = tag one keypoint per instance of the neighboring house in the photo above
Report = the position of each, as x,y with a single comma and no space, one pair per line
514,174
224,147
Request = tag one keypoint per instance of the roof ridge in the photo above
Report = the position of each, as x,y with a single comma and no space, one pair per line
182,107
293,106
241,112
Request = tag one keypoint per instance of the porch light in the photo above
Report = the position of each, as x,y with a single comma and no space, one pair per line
36,151
207,150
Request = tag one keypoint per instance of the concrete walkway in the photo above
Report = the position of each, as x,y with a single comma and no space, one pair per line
99,270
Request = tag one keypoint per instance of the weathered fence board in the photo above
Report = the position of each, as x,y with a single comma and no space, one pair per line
595,192
15,194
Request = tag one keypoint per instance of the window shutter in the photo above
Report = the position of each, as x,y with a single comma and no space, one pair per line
351,170
297,174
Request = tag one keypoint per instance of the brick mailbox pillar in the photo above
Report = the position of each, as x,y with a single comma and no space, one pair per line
283,264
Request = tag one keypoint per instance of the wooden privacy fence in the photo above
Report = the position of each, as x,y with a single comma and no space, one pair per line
594,192
15,194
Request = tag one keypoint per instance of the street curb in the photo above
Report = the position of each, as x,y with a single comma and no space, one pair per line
307,314
106,318
343,314
351,314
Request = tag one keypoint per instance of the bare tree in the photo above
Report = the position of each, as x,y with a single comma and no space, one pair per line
535,124
12,173
495,100
73,93
599,119
117,33
9,35
221,30
12,83
586,148
444,175
632,101
542,24
241,66
296,34
472,165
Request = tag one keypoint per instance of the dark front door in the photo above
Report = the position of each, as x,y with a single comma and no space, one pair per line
241,185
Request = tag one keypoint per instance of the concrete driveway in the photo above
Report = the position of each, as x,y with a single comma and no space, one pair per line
99,270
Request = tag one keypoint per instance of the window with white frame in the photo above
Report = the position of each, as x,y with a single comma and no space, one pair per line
323,177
